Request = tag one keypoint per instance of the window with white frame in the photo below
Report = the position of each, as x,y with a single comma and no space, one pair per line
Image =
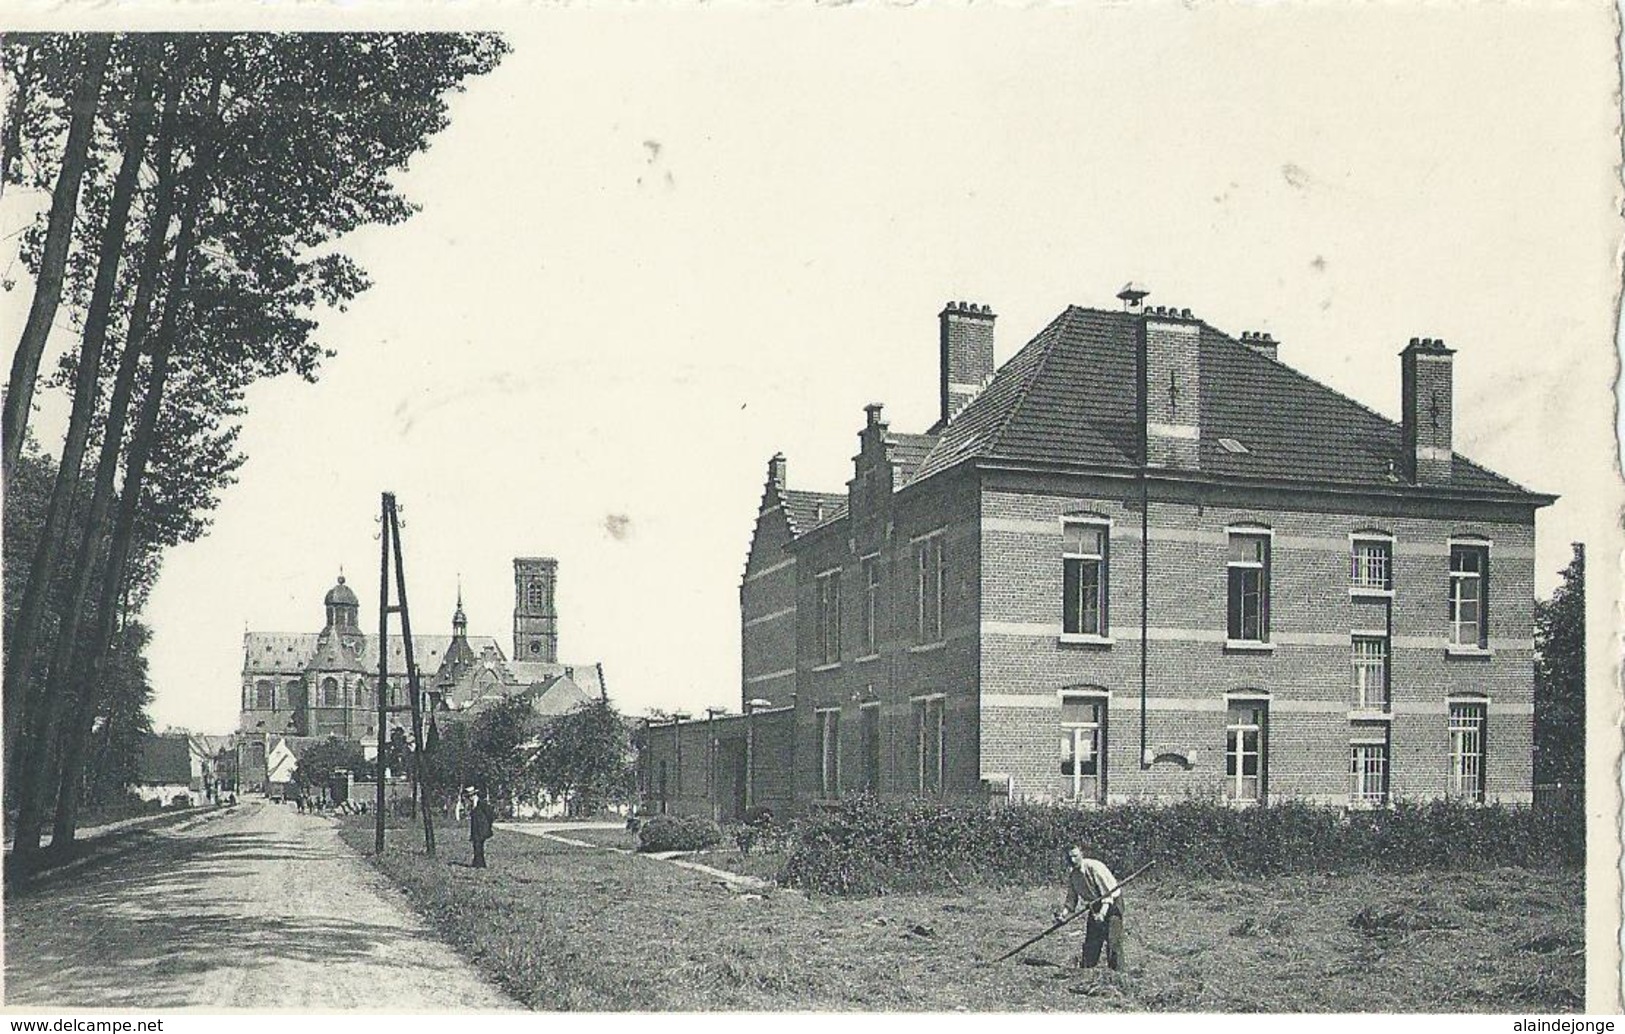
1469,594
931,565
929,729
1083,745
1248,571
829,752
1083,577
1467,721
828,617
1368,772
1244,750
869,734
871,605
1370,655
1372,565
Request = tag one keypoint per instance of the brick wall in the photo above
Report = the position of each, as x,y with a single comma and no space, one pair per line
767,598
698,758
1307,672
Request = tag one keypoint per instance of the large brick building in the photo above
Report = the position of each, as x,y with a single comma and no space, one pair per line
1148,559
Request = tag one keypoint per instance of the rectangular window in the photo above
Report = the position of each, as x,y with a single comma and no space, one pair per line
869,733
1248,570
1467,751
1083,576
931,563
929,731
871,606
1083,746
828,617
829,753
1368,774
263,698
1244,751
1370,673
1469,596
1372,565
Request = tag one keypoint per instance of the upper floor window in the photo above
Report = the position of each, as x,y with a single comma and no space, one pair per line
1371,673
828,617
332,696
1083,745
829,753
1248,570
1244,750
1467,751
1083,576
263,696
871,605
931,563
1469,595
1371,566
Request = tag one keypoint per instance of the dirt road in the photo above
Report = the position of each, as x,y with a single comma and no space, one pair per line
258,907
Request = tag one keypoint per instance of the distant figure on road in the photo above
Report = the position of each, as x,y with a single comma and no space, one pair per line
480,820
1089,883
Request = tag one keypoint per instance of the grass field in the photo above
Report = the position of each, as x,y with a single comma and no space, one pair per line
563,927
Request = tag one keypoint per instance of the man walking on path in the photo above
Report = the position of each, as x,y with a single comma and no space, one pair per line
1090,883
480,820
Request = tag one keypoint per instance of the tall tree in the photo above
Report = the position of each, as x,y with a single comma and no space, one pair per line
1560,688
23,638
59,235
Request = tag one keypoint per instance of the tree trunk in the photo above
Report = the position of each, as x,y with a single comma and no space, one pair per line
11,146
58,235
81,696
34,779
23,694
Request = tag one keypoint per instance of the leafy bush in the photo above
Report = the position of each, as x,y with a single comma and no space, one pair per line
678,833
870,846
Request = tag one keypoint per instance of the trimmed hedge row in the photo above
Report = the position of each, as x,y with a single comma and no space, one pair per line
867,846
678,833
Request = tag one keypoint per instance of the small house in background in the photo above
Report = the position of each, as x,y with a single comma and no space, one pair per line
164,770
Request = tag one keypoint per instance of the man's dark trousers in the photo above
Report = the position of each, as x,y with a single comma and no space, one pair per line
479,854
1104,933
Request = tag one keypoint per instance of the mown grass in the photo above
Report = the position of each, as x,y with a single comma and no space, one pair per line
562,927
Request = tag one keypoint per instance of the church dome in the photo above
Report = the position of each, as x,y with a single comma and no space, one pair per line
341,595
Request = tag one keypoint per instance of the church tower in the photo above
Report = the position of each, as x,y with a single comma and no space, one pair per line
535,621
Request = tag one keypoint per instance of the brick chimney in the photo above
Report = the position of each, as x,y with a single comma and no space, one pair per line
967,354
1261,342
1426,374
1172,387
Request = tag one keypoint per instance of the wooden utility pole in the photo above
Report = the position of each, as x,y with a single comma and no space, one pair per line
390,546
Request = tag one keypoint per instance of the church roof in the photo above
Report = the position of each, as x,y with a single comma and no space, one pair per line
290,653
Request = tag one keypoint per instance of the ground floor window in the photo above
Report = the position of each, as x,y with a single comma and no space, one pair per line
869,734
1368,773
1083,745
1467,723
1244,750
829,753
930,742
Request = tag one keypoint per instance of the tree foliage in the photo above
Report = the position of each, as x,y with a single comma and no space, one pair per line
208,277
317,765
1560,688
585,759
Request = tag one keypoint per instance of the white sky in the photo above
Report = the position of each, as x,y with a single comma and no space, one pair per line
658,246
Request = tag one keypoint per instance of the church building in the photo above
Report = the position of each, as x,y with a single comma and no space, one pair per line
325,683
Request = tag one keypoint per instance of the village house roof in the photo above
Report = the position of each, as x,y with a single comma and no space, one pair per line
164,761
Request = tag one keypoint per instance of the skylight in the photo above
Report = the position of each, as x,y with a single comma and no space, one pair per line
1231,445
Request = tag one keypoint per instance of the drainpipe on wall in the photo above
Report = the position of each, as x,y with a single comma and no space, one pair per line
1145,542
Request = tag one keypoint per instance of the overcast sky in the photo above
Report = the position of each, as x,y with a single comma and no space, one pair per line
657,247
